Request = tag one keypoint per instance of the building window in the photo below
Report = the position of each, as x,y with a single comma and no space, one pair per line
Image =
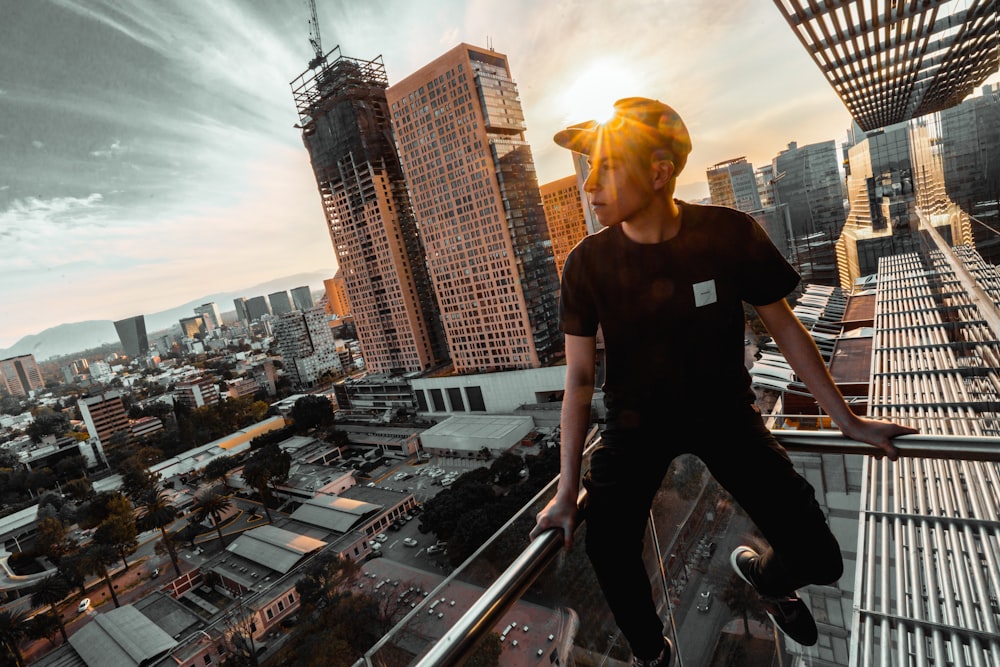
421,400
270,614
455,398
208,659
281,605
475,396
438,400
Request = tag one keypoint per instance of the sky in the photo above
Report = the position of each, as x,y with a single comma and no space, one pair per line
148,155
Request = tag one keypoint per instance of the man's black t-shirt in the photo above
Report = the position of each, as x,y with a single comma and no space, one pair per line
671,313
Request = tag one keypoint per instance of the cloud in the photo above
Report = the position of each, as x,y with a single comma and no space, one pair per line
113,150
37,144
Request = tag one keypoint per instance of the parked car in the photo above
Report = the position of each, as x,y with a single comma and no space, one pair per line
434,548
381,537
704,601
83,606
155,574
409,541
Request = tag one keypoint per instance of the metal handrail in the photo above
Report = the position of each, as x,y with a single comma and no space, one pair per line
483,615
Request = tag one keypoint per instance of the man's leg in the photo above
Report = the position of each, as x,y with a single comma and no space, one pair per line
621,485
756,471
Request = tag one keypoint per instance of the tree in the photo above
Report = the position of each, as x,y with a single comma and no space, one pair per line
217,469
13,628
742,600
51,540
157,512
213,505
311,411
268,467
328,577
97,558
51,591
78,488
119,530
43,626
47,422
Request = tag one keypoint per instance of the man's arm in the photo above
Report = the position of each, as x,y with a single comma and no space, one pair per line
801,352
573,425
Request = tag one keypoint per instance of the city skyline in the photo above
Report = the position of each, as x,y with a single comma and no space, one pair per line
150,155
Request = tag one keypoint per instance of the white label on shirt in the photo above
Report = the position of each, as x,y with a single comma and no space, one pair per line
704,293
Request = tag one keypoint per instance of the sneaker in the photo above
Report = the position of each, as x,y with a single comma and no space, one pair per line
789,613
665,659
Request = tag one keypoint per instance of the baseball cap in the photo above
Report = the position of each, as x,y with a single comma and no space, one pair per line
638,123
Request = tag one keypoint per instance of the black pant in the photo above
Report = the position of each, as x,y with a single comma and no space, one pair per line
626,471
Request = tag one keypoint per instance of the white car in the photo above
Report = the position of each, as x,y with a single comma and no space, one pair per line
409,541
83,606
381,537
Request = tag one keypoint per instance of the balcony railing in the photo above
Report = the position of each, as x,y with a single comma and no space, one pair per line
541,603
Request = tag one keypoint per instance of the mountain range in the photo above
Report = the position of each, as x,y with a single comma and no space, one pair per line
71,338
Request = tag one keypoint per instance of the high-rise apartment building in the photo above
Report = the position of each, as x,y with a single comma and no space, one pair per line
345,127
337,302
197,392
20,375
565,217
460,132
733,183
105,417
132,334
258,307
302,298
306,344
210,312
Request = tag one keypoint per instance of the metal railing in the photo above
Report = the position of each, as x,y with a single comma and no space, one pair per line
483,615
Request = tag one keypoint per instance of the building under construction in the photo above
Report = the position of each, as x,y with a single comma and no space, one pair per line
345,127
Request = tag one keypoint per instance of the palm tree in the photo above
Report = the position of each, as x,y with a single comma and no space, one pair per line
51,591
213,505
96,558
13,628
158,512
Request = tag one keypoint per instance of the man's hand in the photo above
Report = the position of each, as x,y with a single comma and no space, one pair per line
877,433
559,514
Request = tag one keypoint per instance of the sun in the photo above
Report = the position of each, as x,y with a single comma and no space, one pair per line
592,94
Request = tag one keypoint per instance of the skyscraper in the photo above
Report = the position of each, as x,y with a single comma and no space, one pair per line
970,151
241,309
345,127
460,131
192,326
21,375
281,302
132,334
210,311
806,180
302,298
733,183
882,183
564,216
258,307
306,345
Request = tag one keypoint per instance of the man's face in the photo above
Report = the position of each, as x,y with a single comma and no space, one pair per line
619,184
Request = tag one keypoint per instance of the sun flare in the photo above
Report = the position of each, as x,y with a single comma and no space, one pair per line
592,94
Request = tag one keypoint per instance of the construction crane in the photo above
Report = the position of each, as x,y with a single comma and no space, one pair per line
314,39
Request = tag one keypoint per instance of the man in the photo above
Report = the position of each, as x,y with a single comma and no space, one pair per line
666,282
